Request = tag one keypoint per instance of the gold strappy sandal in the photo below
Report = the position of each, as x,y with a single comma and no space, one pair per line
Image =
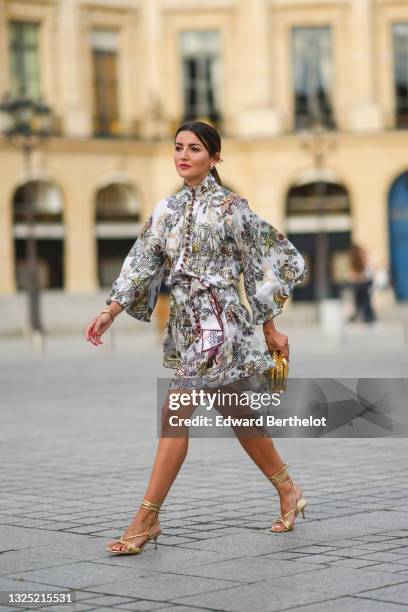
276,479
152,534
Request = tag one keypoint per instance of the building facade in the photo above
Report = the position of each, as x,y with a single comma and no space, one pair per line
121,75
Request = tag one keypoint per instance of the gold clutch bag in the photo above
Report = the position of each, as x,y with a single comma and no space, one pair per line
278,375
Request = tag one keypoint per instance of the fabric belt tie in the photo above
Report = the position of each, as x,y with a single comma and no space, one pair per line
207,312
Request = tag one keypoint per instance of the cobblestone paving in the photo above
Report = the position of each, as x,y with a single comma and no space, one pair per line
78,436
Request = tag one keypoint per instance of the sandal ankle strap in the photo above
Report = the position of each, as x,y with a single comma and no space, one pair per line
151,506
281,476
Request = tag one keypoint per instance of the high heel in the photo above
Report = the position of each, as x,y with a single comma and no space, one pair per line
152,534
301,505
276,479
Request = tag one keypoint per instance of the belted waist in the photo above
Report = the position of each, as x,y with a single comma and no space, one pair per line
206,311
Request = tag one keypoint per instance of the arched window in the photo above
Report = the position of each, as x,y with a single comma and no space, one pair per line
117,219
312,207
47,204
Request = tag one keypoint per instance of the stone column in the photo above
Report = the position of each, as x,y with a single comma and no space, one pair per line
257,116
11,164
5,82
366,113
153,119
80,241
76,115
4,56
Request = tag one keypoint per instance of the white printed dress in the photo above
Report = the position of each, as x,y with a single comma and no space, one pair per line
200,240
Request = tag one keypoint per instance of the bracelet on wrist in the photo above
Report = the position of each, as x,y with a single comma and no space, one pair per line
110,312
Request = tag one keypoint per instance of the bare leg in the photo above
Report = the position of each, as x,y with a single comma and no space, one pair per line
170,455
264,454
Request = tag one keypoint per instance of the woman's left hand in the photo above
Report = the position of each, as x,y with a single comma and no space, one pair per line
276,341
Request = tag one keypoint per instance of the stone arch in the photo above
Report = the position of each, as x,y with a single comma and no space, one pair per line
318,222
398,234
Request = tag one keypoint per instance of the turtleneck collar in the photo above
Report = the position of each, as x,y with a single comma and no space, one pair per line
208,184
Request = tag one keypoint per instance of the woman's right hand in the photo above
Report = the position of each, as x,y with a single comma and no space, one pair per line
97,327
275,340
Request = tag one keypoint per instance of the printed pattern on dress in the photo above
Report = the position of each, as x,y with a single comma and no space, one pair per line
201,239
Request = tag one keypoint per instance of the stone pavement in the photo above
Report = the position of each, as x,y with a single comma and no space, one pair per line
78,436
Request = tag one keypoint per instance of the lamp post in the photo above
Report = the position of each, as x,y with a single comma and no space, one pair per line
318,141
28,125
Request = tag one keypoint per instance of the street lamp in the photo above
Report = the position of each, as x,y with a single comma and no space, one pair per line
317,141
27,126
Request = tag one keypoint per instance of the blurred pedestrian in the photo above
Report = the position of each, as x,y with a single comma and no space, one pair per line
361,276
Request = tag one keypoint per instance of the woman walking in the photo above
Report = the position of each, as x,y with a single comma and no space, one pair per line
203,237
